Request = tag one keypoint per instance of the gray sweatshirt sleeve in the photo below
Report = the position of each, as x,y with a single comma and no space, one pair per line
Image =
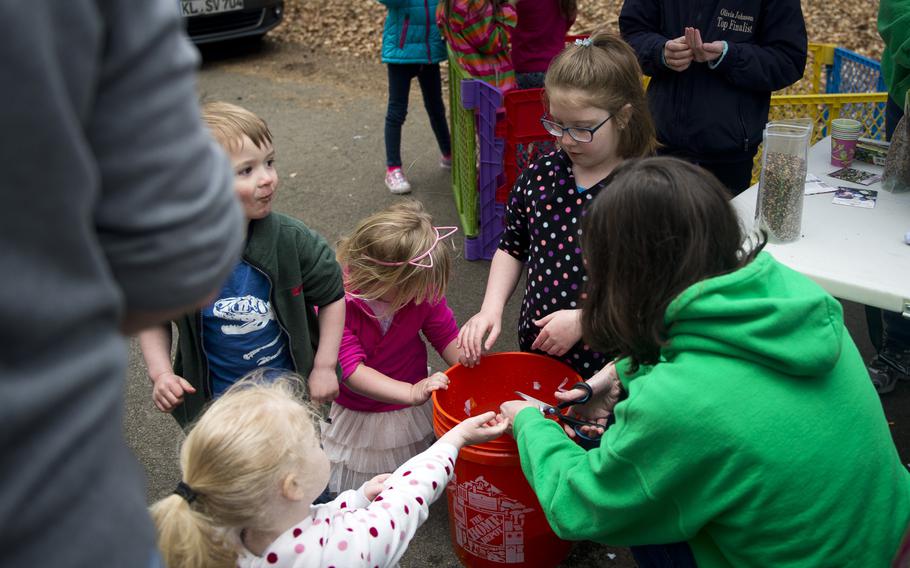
167,218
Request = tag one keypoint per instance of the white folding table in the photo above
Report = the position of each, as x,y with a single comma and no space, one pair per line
854,253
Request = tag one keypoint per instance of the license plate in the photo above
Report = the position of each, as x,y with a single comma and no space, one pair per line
205,7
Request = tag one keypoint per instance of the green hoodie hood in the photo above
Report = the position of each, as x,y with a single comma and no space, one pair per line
759,313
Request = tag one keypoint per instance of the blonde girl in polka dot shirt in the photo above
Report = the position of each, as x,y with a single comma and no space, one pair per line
598,113
252,467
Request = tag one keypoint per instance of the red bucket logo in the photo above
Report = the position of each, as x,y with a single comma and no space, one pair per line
488,523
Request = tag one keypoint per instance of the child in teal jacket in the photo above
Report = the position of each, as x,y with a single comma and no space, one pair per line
412,47
750,429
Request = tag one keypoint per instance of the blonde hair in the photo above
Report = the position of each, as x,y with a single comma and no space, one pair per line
397,234
229,123
607,72
234,459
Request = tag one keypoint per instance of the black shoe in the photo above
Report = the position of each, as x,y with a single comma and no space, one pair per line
885,372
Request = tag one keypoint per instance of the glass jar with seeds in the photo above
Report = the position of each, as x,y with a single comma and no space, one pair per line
785,147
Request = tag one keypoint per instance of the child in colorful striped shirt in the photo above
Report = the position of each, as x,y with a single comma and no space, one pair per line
478,32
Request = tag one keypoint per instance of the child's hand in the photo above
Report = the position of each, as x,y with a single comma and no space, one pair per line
374,487
476,430
471,335
559,331
323,385
421,391
168,390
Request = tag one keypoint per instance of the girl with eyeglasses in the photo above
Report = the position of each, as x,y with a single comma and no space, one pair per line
396,269
599,116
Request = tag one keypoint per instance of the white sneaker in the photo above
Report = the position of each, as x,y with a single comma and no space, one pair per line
396,182
445,162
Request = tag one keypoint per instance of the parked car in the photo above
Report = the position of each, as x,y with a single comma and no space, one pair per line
209,21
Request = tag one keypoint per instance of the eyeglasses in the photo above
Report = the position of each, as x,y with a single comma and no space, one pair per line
578,133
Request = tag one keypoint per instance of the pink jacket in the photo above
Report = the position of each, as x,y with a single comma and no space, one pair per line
400,353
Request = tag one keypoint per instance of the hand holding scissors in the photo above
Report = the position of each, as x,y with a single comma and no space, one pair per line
582,428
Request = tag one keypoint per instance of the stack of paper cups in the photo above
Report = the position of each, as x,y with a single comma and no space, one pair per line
844,133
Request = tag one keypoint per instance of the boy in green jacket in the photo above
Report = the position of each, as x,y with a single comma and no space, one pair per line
750,429
265,316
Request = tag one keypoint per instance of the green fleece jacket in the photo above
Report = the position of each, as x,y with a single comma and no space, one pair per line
303,274
758,438
894,27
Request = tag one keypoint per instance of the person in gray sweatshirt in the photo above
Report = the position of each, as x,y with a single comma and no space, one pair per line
117,212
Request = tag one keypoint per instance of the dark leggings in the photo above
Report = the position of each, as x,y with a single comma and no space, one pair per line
400,75
888,331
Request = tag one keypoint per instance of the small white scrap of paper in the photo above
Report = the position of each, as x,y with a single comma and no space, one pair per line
816,187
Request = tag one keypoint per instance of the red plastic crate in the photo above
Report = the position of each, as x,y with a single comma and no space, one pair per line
524,137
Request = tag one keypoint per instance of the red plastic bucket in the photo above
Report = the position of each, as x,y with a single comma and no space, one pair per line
494,516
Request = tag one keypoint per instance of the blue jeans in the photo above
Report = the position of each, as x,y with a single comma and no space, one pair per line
400,75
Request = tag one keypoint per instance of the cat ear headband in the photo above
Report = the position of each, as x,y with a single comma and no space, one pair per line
423,260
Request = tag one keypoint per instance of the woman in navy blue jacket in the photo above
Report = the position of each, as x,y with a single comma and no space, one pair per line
412,47
713,66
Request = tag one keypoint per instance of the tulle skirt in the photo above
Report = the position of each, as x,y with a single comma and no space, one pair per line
362,445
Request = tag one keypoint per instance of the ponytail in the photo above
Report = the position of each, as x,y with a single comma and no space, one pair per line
187,538
232,463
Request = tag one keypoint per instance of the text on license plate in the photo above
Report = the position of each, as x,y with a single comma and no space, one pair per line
203,7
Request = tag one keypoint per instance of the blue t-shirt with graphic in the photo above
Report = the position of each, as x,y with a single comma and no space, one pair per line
240,332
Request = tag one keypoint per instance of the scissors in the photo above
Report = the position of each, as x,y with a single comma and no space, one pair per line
584,440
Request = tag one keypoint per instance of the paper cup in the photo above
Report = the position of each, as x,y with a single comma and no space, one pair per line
842,151
846,125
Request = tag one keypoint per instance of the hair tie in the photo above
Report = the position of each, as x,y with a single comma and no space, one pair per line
186,492
586,42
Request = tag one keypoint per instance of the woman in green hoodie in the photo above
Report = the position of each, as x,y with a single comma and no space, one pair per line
749,428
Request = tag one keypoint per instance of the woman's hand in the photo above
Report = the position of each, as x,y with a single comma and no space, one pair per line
373,487
559,331
422,390
702,52
678,54
471,336
511,408
606,392
476,430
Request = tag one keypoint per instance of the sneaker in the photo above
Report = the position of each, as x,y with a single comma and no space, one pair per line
396,182
885,374
445,162
883,377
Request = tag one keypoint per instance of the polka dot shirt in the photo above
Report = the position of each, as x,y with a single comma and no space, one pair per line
352,532
543,231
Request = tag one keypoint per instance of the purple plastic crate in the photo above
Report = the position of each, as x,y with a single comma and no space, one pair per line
485,100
